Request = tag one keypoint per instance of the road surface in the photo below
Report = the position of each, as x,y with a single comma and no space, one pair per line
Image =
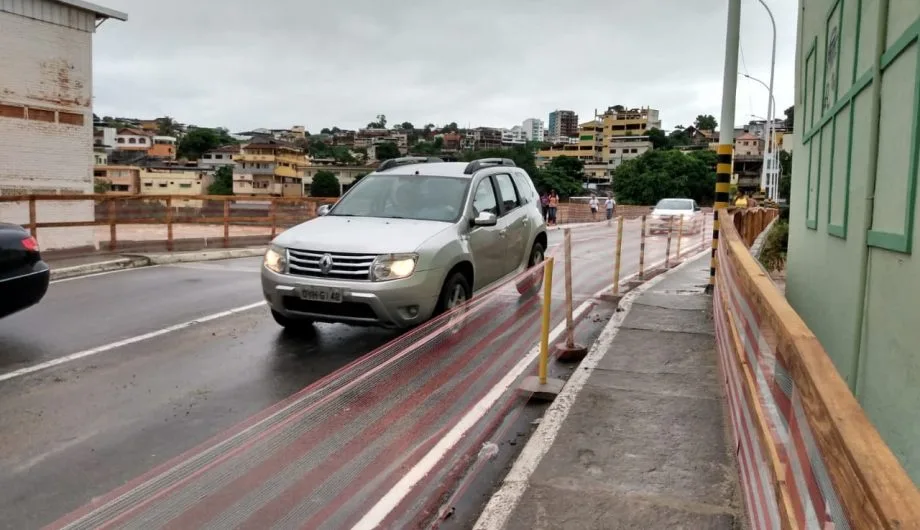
111,376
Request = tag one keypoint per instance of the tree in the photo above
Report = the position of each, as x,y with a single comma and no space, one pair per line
659,174
785,179
102,186
325,184
659,139
450,127
790,117
407,126
381,122
198,140
618,108
706,122
387,150
679,137
223,181
325,130
553,179
167,126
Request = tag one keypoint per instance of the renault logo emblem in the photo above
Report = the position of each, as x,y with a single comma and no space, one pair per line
325,264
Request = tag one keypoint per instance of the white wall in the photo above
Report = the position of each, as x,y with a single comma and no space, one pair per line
46,66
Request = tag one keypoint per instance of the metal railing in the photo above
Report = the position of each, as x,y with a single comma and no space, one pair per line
811,457
119,222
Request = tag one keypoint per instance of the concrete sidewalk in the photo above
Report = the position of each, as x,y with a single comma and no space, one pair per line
639,437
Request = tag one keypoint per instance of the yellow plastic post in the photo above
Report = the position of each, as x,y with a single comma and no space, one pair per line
642,251
544,330
569,318
667,253
680,234
616,266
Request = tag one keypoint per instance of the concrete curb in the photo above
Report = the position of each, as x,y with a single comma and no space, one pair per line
98,267
203,255
497,512
132,261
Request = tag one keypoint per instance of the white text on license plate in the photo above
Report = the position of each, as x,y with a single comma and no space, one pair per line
321,294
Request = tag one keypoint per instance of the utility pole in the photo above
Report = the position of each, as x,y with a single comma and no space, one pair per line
727,131
766,180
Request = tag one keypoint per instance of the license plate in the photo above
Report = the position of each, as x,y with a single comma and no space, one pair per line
321,294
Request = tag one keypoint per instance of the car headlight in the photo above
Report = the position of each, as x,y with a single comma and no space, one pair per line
275,259
394,267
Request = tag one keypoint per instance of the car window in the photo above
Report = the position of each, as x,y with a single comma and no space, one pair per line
674,204
524,190
420,197
507,191
484,200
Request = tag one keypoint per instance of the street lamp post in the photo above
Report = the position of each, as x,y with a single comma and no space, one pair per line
770,106
771,180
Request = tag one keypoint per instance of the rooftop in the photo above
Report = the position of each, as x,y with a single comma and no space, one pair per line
101,12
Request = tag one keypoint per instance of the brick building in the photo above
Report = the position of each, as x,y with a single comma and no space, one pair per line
46,120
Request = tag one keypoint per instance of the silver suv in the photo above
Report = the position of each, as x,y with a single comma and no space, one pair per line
413,239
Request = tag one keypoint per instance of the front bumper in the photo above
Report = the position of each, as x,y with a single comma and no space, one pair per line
393,304
661,225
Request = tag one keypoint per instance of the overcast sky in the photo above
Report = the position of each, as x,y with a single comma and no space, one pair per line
244,64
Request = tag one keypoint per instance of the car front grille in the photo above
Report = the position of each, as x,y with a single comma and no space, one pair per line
344,266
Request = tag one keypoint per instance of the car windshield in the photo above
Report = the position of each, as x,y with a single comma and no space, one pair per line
420,197
674,204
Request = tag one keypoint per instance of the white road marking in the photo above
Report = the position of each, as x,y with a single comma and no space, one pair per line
375,516
218,268
125,342
502,504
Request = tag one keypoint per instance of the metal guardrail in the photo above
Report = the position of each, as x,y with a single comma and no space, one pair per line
809,457
166,211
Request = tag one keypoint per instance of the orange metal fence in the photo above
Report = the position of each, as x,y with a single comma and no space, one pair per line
127,222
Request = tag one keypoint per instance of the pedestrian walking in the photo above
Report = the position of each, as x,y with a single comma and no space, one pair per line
544,206
592,202
553,205
610,205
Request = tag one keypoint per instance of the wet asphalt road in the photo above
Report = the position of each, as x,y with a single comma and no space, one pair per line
78,430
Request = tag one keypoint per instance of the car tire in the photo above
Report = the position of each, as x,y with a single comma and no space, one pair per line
455,286
292,324
455,291
530,284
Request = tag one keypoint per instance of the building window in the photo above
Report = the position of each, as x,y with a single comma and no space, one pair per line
142,140
120,140
208,157
70,118
185,186
162,184
132,140
41,115
148,184
633,150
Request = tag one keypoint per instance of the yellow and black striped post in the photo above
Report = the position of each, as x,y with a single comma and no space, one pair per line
723,183
642,251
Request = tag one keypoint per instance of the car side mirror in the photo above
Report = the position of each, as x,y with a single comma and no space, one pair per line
323,210
485,219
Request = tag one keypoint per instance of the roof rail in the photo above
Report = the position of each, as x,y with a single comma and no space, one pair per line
476,165
406,160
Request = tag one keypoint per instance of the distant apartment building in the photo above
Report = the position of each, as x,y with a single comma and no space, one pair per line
368,137
46,118
269,167
513,136
622,148
619,121
485,138
562,124
452,141
132,139
176,181
586,146
163,147
534,130
122,180
222,156
749,144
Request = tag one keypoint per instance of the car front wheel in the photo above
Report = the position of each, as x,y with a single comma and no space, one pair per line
531,283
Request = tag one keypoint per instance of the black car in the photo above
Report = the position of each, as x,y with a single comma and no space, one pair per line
23,275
